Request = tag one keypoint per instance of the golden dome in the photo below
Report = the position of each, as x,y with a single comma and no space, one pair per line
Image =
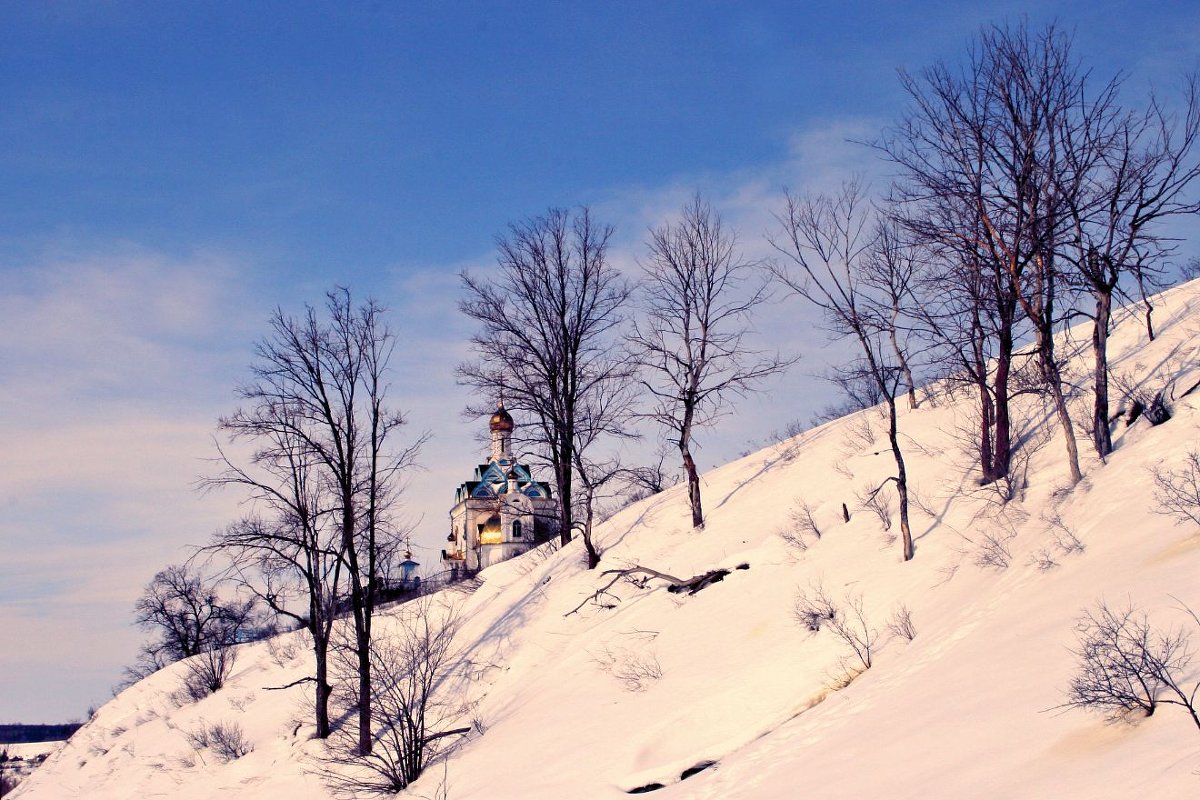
501,420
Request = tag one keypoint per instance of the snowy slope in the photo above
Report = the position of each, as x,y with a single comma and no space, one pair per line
966,709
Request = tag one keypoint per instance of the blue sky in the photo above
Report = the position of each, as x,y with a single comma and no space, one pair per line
171,172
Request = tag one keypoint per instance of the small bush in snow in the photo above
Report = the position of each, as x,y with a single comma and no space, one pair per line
992,551
1126,665
207,672
225,739
635,670
1064,538
878,504
800,525
1043,559
814,610
1177,491
283,649
901,623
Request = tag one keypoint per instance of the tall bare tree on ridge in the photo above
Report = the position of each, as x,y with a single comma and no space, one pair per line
831,255
547,341
690,340
319,383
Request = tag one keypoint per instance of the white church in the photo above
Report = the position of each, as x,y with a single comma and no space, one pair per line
502,511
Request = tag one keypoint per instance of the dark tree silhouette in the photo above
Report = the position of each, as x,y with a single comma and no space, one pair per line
320,381
546,342
697,296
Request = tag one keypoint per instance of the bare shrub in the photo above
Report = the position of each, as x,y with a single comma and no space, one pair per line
879,504
793,539
226,740
1127,666
802,518
855,631
1043,559
801,524
1064,538
1177,491
636,670
992,551
207,672
901,623
239,703
814,609
283,649
412,720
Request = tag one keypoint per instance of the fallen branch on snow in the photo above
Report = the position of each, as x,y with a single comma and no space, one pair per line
677,585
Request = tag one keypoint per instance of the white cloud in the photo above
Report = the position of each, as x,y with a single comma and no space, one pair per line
115,369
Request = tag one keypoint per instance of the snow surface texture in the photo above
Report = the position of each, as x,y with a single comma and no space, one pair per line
593,704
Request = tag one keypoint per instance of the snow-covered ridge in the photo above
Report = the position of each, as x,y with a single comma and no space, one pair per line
599,702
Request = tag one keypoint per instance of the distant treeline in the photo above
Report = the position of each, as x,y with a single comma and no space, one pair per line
20,733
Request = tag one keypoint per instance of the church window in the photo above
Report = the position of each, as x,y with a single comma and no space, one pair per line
489,532
516,529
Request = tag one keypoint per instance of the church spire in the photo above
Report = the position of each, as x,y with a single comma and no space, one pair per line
501,425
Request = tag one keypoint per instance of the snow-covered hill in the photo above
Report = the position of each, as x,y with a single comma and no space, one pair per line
598,702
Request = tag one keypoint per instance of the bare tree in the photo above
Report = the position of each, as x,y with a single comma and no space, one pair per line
697,296
290,553
1177,491
1041,101
1127,665
826,244
548,324
981,186
414,716
319,390
893,272
1134,170
184,611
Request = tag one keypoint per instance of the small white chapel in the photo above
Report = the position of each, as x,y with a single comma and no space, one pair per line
502,511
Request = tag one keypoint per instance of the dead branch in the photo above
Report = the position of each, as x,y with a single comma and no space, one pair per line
677,585
290,685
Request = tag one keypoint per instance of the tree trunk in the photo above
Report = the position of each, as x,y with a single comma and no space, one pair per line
323,689
563,468
1101,436
901,479
365,740
689,466
1002,452
1064,421
985,432
358,605
693,478
902,362
593,555
1149,306
1053,379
